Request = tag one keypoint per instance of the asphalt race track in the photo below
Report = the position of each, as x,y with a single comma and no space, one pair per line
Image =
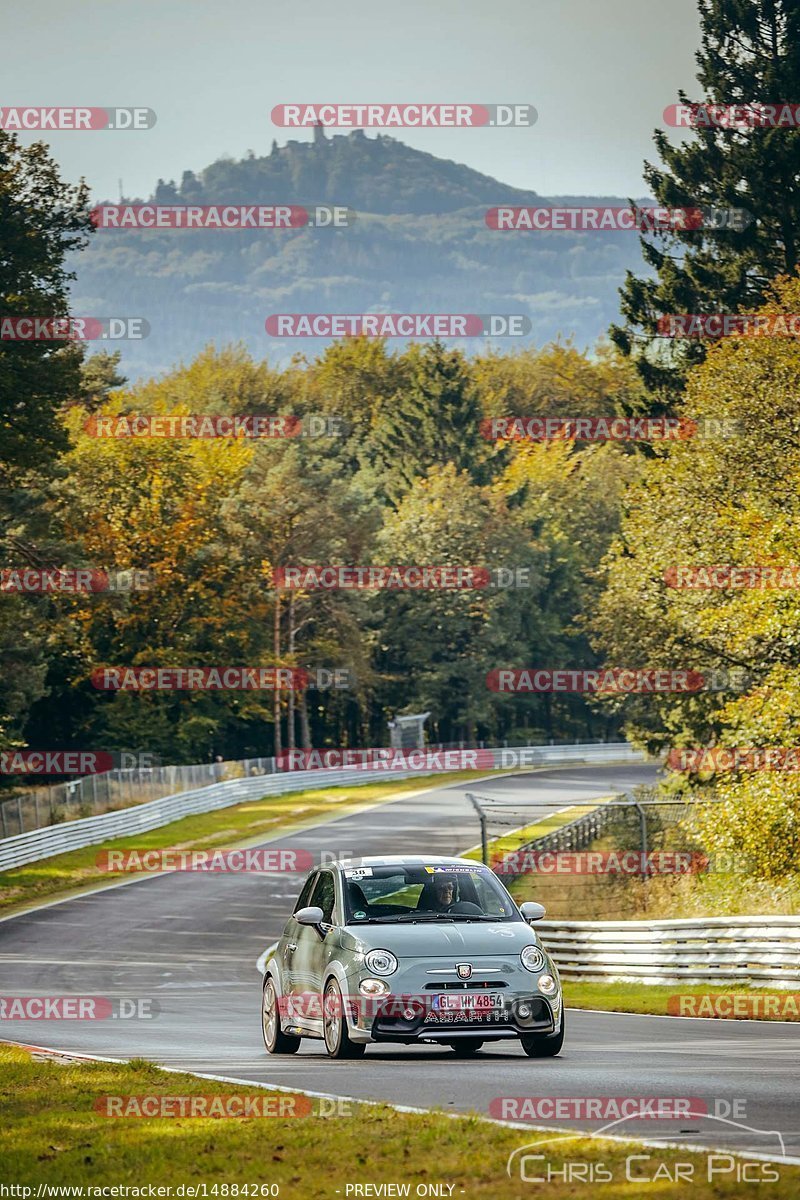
190,942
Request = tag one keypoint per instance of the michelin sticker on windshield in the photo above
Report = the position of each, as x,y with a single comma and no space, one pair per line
454,870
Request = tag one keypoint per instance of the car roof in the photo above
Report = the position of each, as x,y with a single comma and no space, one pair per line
405,860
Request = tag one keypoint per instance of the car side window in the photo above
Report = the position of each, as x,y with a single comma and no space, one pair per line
304,898
325,895
489,900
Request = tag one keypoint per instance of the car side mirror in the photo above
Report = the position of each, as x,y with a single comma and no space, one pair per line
309,916
532,911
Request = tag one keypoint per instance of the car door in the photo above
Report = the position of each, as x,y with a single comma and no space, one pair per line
314,948
291,940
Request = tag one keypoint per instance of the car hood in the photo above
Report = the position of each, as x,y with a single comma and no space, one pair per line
437,938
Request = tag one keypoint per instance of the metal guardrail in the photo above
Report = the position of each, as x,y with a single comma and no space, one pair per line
90,831
107,791
718,950
51,804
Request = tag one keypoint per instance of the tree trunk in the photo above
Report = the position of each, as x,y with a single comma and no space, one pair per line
305,728
276,652
290,701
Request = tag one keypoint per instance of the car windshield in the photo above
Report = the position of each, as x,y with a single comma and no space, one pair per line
425,893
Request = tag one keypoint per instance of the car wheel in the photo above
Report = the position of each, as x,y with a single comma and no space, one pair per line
276,1041
465,1047
543,1045
334,1025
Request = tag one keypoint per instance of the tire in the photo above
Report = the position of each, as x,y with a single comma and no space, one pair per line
334,1024
543,1045
466,1047
275,1040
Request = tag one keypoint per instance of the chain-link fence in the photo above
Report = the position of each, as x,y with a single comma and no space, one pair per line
37,807
594,861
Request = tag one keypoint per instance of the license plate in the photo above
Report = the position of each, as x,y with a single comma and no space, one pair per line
469,1002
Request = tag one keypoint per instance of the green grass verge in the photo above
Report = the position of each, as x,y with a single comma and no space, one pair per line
225,827
771,1004
52,1134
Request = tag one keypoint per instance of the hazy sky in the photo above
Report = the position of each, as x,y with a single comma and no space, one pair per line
599,72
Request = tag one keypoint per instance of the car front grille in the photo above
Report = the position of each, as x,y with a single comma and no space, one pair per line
467,985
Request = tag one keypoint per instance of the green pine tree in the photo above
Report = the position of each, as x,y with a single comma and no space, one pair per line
42,220
750,52
432,421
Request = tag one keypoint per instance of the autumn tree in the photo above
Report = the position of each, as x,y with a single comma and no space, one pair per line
726,496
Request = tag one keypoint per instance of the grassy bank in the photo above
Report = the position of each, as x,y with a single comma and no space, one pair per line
568,895
52,1134
597,897
225,827
766,1004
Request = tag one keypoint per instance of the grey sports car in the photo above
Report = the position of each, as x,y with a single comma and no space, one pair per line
410,949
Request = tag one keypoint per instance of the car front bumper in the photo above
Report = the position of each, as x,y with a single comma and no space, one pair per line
407,1013
394,1026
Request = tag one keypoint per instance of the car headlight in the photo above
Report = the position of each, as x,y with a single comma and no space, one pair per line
381,962
532,958
547,985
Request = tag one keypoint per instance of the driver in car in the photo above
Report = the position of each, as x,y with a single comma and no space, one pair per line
444,893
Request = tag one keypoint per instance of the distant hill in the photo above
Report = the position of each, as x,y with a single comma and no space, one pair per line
419,244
